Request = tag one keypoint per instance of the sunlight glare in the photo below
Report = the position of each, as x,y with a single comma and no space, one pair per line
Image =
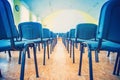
64,20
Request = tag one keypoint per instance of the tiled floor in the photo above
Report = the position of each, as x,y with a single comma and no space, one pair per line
58,67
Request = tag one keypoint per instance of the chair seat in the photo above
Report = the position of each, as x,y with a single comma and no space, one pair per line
6,45
73,39
112,46
38,40
45,39
83,40
106,45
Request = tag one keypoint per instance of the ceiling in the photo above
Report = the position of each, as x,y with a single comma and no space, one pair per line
62,15
43,8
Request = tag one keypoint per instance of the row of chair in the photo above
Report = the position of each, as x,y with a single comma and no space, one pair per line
30,34
104,36
33,31
82,33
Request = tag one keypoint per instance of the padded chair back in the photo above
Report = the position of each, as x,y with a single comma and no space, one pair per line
51,34
64,35
30,30
109,23
9,13
54,35
86,31
5,32
68,36
46,33
72,33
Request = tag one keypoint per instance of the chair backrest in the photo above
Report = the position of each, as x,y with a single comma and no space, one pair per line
109,22
5,32
72,33
54,35
12,30
68,36
10,18
51,35
30,30
46,33
64,35
86,31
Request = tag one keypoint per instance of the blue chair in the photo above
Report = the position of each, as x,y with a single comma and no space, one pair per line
46,38
67,40
8,32
64,36
54,36
72,40
108,30
34,32
52,41
84,32
30,31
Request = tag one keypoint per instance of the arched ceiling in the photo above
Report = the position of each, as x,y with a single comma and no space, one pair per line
43,8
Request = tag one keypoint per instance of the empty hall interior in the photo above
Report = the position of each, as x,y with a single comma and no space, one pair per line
59,40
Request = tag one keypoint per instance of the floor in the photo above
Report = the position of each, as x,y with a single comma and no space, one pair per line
59,66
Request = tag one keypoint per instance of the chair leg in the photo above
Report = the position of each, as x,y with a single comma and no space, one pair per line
118,69
73,53
51,48
23,65
70,48
0,74
35,61
96,56
90,65
116,61
81,55
38,46
48,50
76,45
28,52
19,59
67,45
108,54
44,53
9,53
